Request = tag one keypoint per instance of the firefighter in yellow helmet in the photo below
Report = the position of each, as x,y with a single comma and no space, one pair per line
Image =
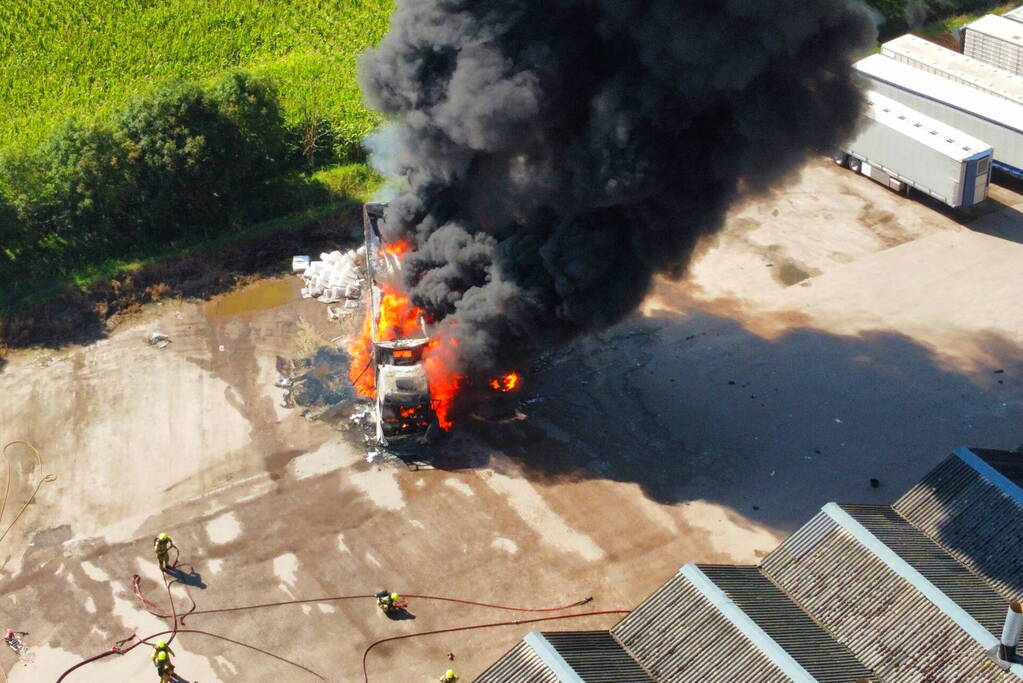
162,545
162,647
164,668
449,676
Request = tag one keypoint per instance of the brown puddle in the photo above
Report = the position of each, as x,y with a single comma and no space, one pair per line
255,297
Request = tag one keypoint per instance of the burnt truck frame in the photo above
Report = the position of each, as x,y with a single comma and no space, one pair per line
404,406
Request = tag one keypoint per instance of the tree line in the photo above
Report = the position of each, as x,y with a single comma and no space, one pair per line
181,162
900,16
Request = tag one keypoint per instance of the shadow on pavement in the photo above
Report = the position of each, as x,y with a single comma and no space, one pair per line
699,408
190,578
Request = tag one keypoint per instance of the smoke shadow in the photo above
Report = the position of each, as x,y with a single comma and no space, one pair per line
971,524
700,408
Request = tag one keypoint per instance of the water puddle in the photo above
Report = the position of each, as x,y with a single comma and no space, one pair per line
258,296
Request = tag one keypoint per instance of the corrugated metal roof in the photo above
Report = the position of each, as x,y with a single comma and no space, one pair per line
781,619
594,656
973,519
518,665
874,611
1008,464
679,636
964,587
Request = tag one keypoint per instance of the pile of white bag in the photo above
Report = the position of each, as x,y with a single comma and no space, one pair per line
335,277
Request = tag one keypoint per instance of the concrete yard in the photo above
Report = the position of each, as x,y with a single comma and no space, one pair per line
834,333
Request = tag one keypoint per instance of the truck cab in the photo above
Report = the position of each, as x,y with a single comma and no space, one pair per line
403,389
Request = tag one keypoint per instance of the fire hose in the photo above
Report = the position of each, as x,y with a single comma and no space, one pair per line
44,479
365,654
152,608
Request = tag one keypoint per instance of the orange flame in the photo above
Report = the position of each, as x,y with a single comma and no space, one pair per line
445,382
397,249
399,319
506,382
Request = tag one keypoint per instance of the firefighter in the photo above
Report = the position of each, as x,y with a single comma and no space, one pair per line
162,647
162,545
389,602
164,668
449,676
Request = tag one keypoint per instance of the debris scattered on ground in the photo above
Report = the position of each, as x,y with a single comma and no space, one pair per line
335,277
158,339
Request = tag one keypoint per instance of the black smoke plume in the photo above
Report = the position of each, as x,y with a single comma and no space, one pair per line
560,153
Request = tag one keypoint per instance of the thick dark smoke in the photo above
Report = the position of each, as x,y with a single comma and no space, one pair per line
559,153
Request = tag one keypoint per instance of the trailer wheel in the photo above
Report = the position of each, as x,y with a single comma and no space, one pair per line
853,164
841,158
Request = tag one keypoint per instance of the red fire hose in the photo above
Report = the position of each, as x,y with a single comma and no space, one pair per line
152,608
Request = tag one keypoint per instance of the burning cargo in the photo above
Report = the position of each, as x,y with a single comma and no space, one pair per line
392,343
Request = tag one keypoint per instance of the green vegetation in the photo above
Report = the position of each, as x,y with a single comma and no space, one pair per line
86,58
900,16
129,133
941,29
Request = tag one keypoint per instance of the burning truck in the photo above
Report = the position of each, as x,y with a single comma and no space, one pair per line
410,374
397,340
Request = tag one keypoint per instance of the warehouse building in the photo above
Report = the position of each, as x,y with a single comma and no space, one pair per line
918,590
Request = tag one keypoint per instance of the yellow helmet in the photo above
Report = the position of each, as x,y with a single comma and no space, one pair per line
450,673
162,656
160,645
395,596
163,537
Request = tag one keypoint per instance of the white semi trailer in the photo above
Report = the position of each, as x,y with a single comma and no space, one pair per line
995,40
996,121
955,66
903,149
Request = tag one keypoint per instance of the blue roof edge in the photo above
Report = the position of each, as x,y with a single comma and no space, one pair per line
1003,483
552,658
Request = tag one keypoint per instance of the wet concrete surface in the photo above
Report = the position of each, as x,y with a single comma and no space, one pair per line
704,428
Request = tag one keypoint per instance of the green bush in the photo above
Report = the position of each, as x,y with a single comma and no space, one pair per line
900,15
179,163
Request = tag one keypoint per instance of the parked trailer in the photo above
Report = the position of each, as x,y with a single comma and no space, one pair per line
996,121
902,148
995,40
1015,15
955,66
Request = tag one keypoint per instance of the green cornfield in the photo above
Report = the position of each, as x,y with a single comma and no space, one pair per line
84,59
